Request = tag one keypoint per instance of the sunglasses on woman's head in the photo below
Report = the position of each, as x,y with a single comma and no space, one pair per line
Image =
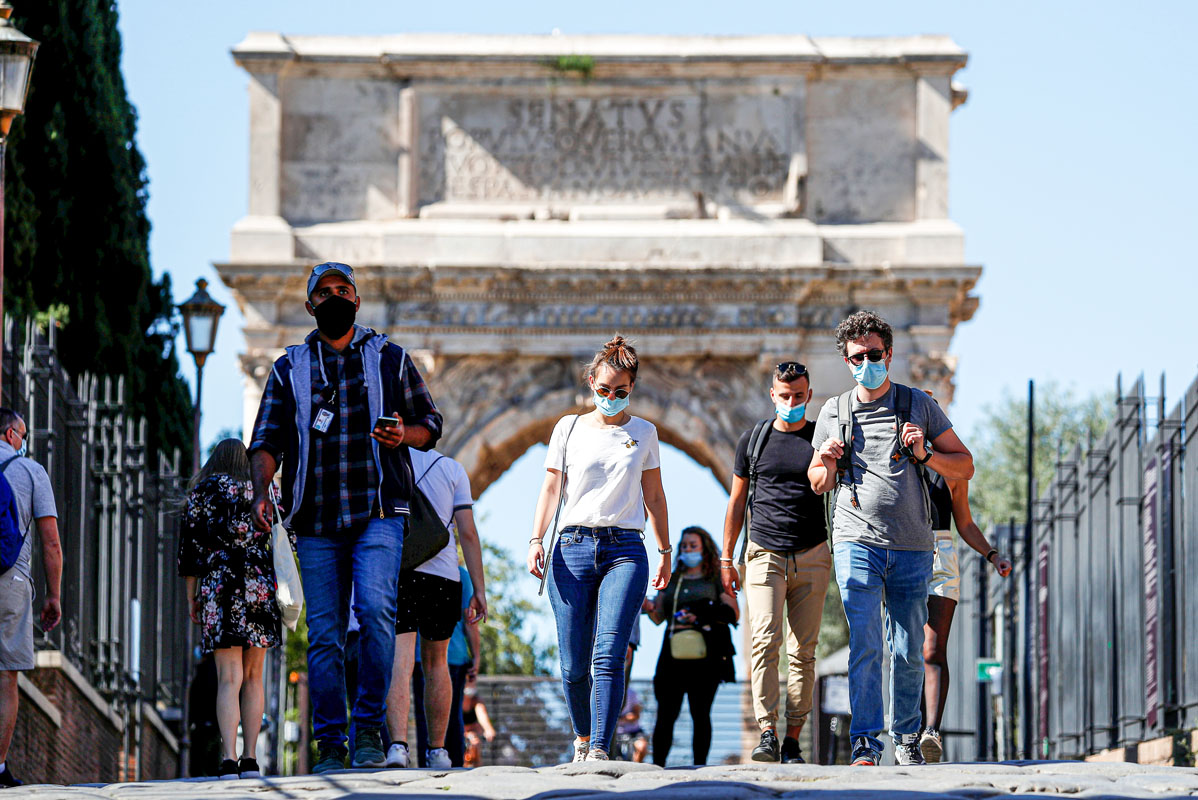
875,355
604,391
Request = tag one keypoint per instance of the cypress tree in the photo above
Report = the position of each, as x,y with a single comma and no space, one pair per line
77,232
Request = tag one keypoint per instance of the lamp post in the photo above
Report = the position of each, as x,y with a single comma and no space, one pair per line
201,314
17,52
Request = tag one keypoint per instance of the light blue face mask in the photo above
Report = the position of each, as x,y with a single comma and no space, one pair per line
790,413
610,406
870,374
24,448
692,559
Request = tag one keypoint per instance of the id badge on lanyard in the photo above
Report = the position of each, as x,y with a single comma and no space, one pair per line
323,420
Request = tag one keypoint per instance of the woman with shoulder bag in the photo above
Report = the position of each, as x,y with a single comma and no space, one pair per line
697,653
603,475
230,576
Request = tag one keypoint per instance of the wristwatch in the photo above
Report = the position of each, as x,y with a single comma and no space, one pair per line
927,456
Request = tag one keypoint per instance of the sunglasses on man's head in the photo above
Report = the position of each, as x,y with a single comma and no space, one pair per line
875,355
319,270
604,391
791,366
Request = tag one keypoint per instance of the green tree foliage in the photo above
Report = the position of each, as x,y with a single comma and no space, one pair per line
508,647
77,232
998,491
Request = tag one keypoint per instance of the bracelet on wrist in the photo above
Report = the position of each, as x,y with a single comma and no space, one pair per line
726,560
665,551
991,555
536,539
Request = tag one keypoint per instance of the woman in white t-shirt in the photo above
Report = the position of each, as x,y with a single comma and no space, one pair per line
598,571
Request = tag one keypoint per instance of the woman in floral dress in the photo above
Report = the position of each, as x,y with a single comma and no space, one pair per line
231,594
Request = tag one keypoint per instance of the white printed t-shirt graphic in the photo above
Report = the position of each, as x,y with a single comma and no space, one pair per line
603,472
447,487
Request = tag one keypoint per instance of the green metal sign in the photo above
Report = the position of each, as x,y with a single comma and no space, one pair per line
989,671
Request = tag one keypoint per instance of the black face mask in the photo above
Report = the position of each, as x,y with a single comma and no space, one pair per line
335,316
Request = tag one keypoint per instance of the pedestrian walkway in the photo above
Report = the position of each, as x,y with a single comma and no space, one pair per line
598,781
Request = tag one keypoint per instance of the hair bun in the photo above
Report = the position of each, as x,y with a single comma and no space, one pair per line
616,343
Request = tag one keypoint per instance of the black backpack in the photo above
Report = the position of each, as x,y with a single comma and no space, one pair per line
844,464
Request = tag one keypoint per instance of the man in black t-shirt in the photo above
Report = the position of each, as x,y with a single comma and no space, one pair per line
787,563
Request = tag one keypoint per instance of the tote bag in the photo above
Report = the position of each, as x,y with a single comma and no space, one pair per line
289,591
688,645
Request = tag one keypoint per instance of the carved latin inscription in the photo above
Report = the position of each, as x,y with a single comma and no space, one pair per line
615,148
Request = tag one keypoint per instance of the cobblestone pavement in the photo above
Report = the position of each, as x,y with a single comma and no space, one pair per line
595,781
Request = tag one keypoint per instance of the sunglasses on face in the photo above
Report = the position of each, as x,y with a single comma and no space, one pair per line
875,355
791,366
604,391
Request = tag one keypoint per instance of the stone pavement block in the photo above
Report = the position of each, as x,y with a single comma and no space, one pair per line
1173,780
1113,770
510,786
612,769
696,790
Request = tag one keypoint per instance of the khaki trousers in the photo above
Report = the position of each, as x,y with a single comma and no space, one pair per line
794,583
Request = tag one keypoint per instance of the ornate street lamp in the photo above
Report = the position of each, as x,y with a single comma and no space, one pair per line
17,52
201,315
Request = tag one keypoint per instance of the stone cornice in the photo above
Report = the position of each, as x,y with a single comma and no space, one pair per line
431,55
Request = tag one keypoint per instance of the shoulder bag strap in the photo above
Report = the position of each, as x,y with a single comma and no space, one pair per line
902,415
561,496
674,609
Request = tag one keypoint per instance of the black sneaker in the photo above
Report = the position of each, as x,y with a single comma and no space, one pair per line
7,779
368,749
791,754
906,750
248,768
228,770
329,757
768,749
864,755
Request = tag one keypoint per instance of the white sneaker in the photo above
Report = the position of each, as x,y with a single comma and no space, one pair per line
597,755
438,758
397,756
581,749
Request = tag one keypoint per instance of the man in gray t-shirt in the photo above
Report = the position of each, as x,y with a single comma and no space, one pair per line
36,516
882,532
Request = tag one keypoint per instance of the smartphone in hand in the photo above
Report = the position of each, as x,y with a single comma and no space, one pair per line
387,422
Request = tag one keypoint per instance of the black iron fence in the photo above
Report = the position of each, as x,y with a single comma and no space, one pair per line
1098,641
117,519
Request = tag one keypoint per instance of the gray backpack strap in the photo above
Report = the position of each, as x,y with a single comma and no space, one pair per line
757,440
561,496
902,415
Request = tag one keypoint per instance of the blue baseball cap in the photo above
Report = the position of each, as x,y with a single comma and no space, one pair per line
320,270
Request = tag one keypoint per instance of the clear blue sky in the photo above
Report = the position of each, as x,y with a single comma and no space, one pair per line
1069,173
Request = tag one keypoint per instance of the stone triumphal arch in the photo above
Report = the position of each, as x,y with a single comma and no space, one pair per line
509,202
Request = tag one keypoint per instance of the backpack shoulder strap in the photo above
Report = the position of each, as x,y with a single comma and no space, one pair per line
429,468
757,439
4,466
902,404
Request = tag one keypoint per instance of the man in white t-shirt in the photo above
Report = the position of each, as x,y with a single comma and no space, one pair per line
430,603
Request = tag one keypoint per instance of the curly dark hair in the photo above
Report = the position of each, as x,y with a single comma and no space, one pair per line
863,323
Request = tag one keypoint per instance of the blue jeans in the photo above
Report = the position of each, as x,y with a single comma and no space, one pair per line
369,564
868,577
597,583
